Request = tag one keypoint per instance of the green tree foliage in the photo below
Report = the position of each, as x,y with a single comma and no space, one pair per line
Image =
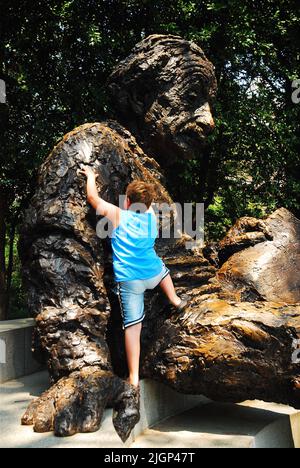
55,57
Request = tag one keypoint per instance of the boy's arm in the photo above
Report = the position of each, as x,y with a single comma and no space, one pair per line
103,208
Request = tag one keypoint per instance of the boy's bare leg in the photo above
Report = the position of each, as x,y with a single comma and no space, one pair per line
133,350
168,288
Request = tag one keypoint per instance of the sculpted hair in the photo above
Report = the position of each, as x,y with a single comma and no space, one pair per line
137,81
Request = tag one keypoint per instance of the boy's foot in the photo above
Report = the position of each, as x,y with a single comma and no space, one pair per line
134,383
182,305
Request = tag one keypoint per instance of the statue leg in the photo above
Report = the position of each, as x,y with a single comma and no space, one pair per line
71,327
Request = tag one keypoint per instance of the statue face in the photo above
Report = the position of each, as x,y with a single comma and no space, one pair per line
162,92
180,119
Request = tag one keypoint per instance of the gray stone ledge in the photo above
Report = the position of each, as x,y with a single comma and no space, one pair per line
16,359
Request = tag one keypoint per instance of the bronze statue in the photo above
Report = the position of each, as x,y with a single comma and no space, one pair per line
235,341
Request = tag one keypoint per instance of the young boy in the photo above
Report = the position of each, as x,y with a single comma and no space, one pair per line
137,267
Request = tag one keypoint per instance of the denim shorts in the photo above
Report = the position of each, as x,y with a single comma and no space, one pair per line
131,297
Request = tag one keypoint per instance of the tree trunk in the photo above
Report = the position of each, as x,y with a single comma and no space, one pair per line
3,207
10,266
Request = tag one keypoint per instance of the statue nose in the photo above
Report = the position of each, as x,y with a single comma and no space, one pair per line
205,118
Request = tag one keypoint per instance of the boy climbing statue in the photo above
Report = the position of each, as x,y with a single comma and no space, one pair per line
137,267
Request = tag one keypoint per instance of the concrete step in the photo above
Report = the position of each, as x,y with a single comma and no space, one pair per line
217,425
168,420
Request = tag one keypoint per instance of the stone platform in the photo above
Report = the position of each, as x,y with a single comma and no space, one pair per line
16,359
168,421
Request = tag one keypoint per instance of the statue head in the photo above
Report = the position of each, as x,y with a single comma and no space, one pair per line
162,93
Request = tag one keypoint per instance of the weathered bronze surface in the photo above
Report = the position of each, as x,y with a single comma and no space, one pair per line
231,343
162,93
236,338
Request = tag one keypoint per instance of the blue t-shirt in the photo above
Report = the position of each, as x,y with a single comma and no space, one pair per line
134,256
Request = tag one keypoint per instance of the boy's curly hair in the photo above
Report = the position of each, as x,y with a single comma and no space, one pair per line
139,191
